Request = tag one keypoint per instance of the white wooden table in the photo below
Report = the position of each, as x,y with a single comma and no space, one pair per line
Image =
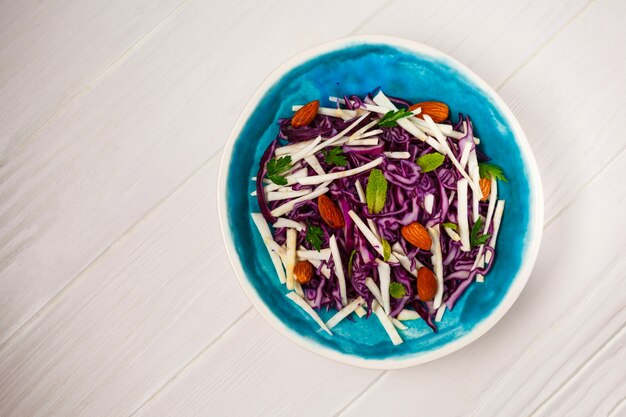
116,298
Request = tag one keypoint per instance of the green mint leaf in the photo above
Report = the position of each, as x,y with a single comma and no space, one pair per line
430,161
333,156
476,238
314,236
389,119
487,170
376,192
277,166
397,290
386,250
450,226
350,262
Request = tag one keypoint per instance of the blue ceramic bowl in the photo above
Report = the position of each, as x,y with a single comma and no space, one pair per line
413,71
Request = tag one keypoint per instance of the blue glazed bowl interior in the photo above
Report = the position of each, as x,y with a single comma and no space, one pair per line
358,69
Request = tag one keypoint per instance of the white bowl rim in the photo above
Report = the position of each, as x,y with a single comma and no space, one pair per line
536,208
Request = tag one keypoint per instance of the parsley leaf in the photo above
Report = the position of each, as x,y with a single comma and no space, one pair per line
314,236
430,161
389,119
350,262
333,156
397,290
376,192
450,226
486,170
277,166
476,238
386,250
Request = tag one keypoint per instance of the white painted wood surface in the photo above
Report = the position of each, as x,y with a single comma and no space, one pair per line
115,295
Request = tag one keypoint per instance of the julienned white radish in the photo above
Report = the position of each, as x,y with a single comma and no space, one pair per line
370,222
376,244
497,219
266,234
291,179
333,112
315,164
453,235
344,312
324,270
321,255
461,214
317,179
429,201
334,250
384,276
360,311
399,254
440,311
371,285
302,153
387,324
437,261
282,222
472,168
397,155
407,315
291,148
467,148
359,133
334,139
369,107
493,198
364,142
298,290
308,309
369,134
290,258
287,207
285,195
398,324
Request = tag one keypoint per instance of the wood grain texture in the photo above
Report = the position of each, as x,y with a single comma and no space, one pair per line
108,221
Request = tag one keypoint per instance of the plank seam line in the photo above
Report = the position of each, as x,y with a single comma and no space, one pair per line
108,69
360,394
616,408
193,360
371,17
55,299
532,56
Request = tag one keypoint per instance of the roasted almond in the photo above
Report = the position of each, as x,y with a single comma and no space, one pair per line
306,114
426,284
417,235
330,213
485,188
303,272
437,110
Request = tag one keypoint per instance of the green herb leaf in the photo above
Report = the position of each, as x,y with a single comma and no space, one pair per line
390,118
386,250
333,156
450,226
376,192
486,170
430,161
277,166
476,238
350,262
397,290
314,236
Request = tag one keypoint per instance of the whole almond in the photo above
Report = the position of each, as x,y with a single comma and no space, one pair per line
417,235
437,110
306,114
303,272
426,284
330,213
485,188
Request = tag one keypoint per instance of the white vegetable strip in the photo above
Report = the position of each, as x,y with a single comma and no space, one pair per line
369,134
315,164
369,235
339,135
461,214
369,107
440,311
344,312
316,179
497,219
309,310
472,168
406,315
290,258
370,222
359,133
266,234
398,155
387,324
371,285
465,154
292,148
360,311
291,179
285,195
381,99
398,324
493,198
404,261
364,142
429,200
334,250
437,263
322,255
324,270
298,289
384,276
301,154
329,111
282,222
453,235
287,207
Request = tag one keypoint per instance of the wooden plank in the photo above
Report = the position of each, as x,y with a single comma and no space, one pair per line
113,154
